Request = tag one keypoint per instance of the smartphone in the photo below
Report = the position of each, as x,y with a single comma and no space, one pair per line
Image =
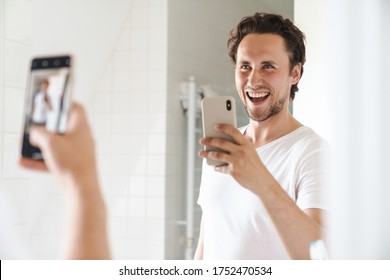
217,110
47,99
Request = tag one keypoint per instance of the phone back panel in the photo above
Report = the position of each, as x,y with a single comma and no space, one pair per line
216,110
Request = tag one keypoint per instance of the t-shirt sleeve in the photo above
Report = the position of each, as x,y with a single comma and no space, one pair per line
311,185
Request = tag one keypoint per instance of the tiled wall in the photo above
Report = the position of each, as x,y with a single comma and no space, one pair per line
129,121
15,48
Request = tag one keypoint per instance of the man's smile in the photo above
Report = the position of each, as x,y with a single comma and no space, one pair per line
258,96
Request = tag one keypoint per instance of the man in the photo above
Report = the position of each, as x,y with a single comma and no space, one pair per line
42,104
264,203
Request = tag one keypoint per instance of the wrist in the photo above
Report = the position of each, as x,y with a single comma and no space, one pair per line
81,183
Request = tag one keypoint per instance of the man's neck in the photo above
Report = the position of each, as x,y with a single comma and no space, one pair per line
261,133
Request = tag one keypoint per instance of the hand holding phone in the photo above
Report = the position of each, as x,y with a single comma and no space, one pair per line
217,110
47,99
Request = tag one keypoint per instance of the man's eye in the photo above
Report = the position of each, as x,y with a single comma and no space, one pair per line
245,67
268,66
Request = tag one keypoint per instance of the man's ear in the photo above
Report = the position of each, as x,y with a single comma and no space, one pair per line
296,73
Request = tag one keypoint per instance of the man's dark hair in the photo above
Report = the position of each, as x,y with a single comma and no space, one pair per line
262,23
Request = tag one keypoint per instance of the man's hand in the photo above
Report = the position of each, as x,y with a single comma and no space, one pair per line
242,161
68,155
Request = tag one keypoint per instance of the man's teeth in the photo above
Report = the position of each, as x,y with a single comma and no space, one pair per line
257,94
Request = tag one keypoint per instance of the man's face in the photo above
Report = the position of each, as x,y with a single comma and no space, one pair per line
44,85
263,77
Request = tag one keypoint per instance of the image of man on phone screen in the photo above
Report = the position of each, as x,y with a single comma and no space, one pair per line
42,104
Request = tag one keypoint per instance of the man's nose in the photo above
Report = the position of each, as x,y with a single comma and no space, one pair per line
254,78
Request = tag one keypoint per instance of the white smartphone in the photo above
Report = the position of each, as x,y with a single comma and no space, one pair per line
217,110
47,99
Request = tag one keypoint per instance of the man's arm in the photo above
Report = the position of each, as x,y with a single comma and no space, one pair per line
86,221
71,159
296,228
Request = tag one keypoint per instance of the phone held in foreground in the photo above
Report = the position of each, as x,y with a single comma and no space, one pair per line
217,110
47,99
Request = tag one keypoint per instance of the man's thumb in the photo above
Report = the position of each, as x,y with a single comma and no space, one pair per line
39,136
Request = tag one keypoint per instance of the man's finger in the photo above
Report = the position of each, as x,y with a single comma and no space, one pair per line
232,131
39,135
77,118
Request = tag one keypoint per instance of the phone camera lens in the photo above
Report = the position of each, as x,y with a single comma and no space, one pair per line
57,62
45,63
228,105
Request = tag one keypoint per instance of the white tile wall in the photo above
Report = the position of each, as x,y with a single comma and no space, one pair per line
17,190
138,186
124,39
121,248
102,103
10,157
16,57
155,186
155,249
155,228
137,207
1,154
46,247
118,228
130,136
137,249
13,101
1,18
18,18
137,229
154,205
1,119
1,52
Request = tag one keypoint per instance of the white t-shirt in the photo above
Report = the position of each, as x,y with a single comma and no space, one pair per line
236,225
40,108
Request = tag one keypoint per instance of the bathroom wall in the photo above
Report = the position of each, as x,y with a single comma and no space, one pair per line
15,47
128,115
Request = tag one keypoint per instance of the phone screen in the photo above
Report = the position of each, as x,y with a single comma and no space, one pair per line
47,99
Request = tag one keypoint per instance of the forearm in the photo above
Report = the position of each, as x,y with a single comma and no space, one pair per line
86,221
199,247
71,159
199,252
295,228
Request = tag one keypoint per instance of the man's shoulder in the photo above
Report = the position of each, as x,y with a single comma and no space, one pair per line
303,140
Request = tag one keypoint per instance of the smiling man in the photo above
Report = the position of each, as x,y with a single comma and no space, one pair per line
265,202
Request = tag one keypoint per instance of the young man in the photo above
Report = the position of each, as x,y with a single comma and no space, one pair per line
42,104
265,202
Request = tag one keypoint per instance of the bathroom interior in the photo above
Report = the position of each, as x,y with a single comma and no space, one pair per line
135,62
